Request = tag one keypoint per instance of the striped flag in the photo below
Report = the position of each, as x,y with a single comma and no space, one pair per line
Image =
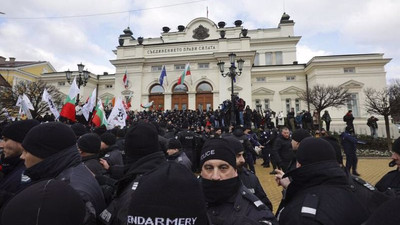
163,76
125,79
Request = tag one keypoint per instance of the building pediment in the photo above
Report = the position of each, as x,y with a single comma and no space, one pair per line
263,91
107,95
352,84
292,90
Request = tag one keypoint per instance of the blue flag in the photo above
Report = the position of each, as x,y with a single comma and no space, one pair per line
162,75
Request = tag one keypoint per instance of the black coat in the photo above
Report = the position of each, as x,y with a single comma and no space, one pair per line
242,208
93,163
113,156
282,151
12,180
391,181
320,194
250,180
67,166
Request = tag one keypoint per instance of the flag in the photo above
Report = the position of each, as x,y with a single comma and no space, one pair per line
125,79
68,110
100,117
88,107
73,90
28,102
107,101
24,106
185,73
46,97
117,116
163,76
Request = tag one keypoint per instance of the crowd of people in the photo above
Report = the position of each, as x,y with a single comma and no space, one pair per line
187,167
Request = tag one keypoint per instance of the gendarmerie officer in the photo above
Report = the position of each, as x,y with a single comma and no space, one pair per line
228,200
391,181
319,192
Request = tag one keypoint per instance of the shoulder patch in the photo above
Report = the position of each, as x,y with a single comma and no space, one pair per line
253,199
364,183
310,204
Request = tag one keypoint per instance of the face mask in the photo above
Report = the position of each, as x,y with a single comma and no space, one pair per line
220,191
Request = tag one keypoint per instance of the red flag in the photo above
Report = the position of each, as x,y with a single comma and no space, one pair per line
125,80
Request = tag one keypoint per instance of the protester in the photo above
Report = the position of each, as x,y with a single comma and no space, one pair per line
373,126
282,152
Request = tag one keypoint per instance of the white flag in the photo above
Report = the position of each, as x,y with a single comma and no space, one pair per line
88,107
28,102
73,90
24,107
117,116
46,97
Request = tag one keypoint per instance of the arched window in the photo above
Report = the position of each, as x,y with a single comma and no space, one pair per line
180,88
156,89
204,87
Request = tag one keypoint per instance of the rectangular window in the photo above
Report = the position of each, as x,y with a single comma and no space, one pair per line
257,59
278,58
288,105
208,107
266,104
200,107
156,68
180,67
290,78
204,65
61,83
176,106
352,104
268,58
184,106
260,79
297,102
349,70
109,86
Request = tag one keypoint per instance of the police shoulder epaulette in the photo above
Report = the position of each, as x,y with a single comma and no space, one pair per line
246,193
364,183
310,205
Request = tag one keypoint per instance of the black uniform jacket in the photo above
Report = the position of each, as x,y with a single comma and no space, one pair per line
320,194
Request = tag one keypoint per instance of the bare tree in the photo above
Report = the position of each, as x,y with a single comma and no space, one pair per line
34,91
322,97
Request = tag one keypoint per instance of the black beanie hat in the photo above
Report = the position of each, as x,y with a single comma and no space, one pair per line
169,193
79,129
300,134
174,144
47,202
108,138
396,146
235,144
312,150
47,139
141,140
89,143
218,148
16,131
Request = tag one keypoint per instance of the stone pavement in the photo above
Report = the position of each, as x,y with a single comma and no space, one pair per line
371,170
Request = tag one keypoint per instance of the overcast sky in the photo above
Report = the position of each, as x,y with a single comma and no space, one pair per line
66,33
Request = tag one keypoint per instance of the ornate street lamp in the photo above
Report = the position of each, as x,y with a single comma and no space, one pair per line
232,74
81,78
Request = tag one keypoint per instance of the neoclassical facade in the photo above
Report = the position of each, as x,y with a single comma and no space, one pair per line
271,76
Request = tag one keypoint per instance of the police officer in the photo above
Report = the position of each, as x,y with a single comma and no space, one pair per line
349,144
391,181
228,200
174,153
282,152
248,178
143,155
188,141
319,192
13,167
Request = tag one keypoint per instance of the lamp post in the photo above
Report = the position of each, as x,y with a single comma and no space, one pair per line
232,74
81,78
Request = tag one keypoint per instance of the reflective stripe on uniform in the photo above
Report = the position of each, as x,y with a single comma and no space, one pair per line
308,210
